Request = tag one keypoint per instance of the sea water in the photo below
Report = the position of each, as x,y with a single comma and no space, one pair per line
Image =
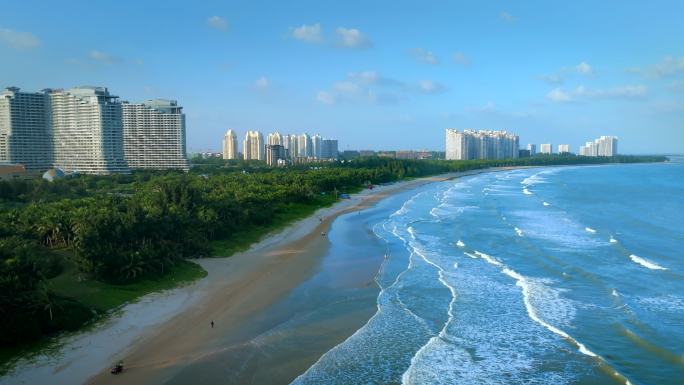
562,275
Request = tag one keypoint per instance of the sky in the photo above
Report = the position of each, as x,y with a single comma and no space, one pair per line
372,74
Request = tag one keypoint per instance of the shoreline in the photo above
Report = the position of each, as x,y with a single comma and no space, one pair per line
160,333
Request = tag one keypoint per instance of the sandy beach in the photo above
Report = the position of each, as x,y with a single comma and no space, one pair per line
164,333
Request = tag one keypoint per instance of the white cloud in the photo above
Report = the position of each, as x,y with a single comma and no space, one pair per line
218,23
583,68
431,87
103,57
460,58
352,38
262,83
372,88
308,33
581,92
507,17
326,97
424,56
667,67
558,77
19,40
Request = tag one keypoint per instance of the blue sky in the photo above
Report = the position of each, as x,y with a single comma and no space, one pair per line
374,74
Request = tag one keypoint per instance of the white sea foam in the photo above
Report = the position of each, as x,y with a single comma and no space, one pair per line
646,263
519,232
526,191
590,230
455,265
460,243
614,293
613,240
546,203
470,255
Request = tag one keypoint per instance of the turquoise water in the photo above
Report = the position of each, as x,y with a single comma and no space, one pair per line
566,275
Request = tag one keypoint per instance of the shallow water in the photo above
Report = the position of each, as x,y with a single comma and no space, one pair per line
565,275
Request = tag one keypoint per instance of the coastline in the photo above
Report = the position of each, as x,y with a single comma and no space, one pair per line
162,332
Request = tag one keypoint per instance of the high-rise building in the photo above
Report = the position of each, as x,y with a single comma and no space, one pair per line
274,138
532,148
546,148
230,145
603,146
25,130
483,144
154,135
563,148
329,149
87,131
253,147
316,146
275,153
304,146
291,146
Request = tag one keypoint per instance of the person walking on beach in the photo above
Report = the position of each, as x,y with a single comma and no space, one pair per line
212,324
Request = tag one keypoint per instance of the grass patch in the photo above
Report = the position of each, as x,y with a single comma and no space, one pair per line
243,239
104,296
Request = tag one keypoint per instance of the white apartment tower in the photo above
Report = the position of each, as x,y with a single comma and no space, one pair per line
154,135
304,146
274,138
291,146
532,148
317,146
563,148
253,147
483,144
87,131
546,148
25,131
230,145
603,146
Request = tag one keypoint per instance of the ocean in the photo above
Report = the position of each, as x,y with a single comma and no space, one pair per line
559,275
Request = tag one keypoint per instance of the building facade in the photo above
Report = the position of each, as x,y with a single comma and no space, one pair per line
546,148
329,149
230,145
317,146
563,148
25,130
603,146
532,148
154,135
253,147
483,144
304,146
87,129
275,154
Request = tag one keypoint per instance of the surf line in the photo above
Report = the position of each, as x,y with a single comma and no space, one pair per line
523,283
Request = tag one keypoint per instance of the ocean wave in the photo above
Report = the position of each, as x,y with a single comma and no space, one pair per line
519,232
546,203
460,243
526,191
646,263
590,230
612,240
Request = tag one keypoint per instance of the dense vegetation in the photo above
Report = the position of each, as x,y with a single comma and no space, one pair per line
125,229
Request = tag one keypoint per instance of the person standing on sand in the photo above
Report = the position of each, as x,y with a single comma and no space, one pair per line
212,324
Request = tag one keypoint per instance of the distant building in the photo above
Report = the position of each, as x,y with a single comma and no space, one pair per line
603,146
317,146
12,171
230,145
25,131
366,153
406,154
329,149
483,144
291,146
532,148
274,138
274,154
387,154
546,148
253,147
563,148
154,135
304,146
524,153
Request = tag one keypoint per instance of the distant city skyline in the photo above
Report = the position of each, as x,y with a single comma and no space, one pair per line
371,75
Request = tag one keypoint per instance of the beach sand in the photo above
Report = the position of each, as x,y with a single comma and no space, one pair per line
165,333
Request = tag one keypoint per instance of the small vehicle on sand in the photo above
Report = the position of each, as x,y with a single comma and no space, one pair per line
118,368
